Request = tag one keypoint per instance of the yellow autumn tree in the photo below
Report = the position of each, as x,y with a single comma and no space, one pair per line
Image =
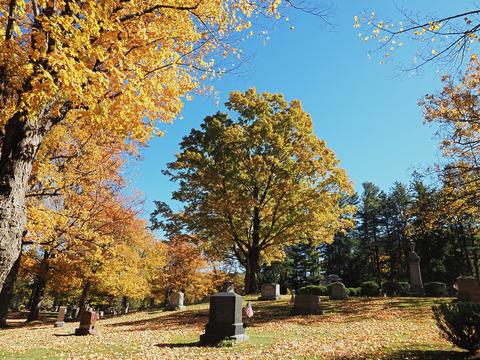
113,68
75,178
456,112
187,269
254,181
130,262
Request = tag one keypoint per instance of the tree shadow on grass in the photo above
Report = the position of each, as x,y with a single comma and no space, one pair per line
427,355
18,319
177,320
180,345
279,311
354,309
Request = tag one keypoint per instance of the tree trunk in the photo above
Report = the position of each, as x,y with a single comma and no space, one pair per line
251,273
39,289
7,291
125,305
83,298
466,251
20,143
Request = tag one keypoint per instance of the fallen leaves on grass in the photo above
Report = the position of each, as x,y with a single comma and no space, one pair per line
359,328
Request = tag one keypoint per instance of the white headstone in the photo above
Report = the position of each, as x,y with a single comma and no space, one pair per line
270,292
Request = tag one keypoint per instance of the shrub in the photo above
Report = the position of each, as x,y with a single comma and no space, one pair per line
435,289
396,288
354,291
460,323
390,288
403,288
313,290
369,288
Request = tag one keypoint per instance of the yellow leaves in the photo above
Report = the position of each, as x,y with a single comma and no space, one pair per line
356,22
134,69
267,147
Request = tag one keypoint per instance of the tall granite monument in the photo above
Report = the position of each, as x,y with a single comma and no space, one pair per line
224,318
415,273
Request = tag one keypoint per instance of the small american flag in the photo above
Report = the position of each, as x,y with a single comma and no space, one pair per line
248,310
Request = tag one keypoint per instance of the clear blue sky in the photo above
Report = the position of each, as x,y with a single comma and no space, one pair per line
365,111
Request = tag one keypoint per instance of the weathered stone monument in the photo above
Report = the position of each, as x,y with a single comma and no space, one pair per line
87,323
468,289
415,273
306,304
61,316
270,292
338,291
224,318
175,301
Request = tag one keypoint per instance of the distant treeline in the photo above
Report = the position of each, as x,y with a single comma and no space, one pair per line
376,248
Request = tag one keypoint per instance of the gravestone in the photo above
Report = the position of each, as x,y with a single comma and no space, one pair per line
468,289
292,298
175,301
338,291
61,316
76,311
306,304
270,292
101,314
87,323
224,318
415,273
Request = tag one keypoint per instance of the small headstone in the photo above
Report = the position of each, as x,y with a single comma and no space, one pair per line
76,311
338,291
270,292
292,298
61,316
468,289
224,318
175,301
87,323
307,305
101,314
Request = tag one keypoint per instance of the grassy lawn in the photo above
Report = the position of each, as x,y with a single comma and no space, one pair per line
371,328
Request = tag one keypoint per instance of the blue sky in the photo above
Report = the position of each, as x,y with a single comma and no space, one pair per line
366,112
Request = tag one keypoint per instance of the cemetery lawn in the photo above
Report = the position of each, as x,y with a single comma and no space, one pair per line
360,328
